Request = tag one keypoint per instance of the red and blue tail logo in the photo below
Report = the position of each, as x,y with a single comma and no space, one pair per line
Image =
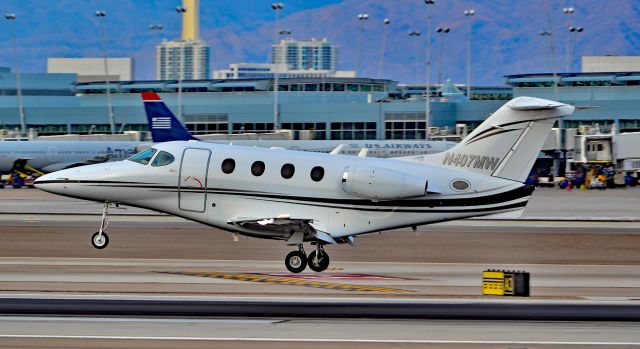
164,126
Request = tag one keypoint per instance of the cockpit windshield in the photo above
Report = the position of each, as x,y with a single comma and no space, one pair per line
143,157
162,159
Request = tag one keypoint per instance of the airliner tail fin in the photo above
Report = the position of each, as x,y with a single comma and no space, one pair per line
164,126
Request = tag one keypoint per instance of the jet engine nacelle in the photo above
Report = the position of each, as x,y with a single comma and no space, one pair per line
377,183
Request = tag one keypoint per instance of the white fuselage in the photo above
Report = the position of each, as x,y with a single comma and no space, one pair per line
196,188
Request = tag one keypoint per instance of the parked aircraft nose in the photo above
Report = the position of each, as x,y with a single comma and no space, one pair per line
81,182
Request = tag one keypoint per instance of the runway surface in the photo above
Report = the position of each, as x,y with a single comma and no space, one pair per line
240,278
40,332
46,252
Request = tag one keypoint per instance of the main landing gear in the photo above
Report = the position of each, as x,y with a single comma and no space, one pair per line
100,239
318,260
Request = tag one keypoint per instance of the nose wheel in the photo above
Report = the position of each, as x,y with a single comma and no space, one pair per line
100,239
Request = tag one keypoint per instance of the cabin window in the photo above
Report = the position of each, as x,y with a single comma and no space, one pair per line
257,169
162,159
287,171
228,165
143,157
317,173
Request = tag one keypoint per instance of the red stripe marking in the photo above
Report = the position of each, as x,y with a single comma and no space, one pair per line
150,96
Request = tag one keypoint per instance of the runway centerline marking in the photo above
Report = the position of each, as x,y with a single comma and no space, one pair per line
280,280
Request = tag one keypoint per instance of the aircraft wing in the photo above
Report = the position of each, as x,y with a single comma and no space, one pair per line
295,230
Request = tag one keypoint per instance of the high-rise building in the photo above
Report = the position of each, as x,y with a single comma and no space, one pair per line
188,57
306,54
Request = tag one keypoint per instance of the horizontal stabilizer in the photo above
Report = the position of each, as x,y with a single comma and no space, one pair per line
524,103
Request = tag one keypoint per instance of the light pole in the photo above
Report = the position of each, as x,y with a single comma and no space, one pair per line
157,27
548,33
180,10
101,15
286,32
415,34
568,11
427,87
277,7
23,124
575,31
469,14
361,18
442,31
386,22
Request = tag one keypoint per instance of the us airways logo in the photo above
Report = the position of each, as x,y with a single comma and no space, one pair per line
471,161
161,122
397,146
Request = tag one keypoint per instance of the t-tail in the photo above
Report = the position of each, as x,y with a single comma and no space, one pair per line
507,143
164,126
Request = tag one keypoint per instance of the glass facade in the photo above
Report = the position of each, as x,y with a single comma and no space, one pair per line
199,124
252,127
353,130
319,128
406,125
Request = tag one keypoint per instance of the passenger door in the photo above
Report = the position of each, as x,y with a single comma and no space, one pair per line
192,186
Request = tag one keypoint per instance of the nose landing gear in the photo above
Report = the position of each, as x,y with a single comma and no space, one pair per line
297,261
100,239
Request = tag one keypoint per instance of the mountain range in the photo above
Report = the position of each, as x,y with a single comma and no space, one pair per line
505,33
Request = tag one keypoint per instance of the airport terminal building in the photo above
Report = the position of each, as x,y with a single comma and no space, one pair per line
333,108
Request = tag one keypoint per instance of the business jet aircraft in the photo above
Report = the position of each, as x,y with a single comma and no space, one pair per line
166,127
324,199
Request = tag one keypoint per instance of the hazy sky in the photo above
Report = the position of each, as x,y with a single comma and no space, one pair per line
505,33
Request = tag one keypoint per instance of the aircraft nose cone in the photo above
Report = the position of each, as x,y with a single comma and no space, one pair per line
56,182
83,182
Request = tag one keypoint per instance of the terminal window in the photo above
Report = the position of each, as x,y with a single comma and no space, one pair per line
353,130
405,125
318,127
253,127
201,124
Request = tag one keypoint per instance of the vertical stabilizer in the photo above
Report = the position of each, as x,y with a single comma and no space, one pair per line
164,126
506,144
